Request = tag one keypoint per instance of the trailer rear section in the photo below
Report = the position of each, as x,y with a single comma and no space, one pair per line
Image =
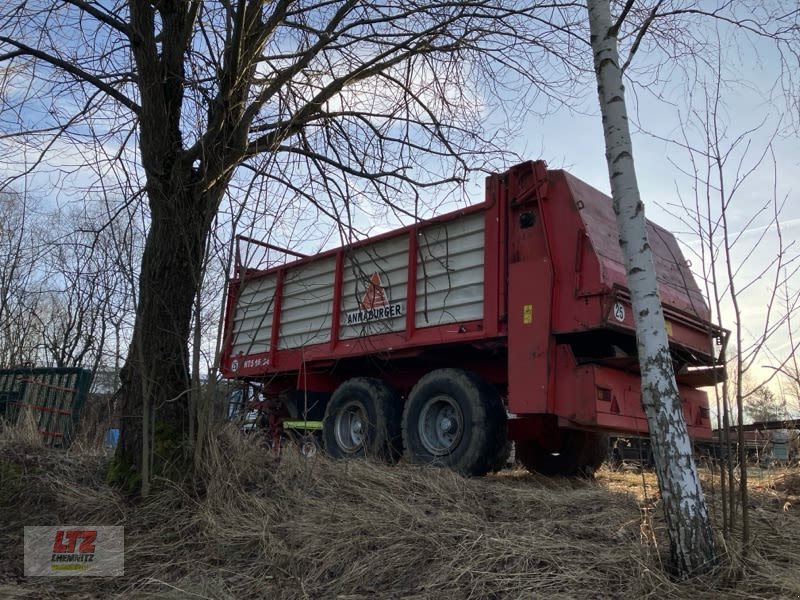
443,341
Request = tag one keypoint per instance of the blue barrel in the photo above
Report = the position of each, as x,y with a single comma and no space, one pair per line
112,438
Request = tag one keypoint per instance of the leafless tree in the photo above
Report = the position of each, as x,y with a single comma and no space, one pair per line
323,102
742,264
688,522
73,310
20,279
66,301
696,45
785,368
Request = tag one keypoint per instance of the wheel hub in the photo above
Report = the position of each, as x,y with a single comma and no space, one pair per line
440,425
448,425
350,427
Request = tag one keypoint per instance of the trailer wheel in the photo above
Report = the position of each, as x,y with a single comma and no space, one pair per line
581,454
453,418
363,419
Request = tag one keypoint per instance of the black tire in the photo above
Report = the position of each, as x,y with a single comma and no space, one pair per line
593,453
503,459
363,419
581,454
454,418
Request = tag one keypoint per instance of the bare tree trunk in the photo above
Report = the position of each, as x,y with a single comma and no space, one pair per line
156,373
688,524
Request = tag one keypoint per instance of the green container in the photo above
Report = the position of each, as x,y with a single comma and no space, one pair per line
780,445
53,398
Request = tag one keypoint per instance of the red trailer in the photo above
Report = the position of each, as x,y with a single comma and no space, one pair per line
444,340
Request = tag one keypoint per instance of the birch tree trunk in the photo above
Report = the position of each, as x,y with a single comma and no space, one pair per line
689,527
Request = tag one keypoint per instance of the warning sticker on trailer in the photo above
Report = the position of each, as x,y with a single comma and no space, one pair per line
527,314
375,305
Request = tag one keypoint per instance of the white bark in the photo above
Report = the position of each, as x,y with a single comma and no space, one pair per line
688,523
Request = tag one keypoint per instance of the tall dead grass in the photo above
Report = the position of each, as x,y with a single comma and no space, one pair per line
315,528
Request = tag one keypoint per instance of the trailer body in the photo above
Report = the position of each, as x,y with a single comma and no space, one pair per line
526,291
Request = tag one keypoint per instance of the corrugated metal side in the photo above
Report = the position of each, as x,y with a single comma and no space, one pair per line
307,304
449,290
450,272
253,318
389,259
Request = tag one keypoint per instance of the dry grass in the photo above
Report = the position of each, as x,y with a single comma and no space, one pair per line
25,431
315,528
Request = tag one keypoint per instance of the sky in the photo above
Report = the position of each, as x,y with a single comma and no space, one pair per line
574,140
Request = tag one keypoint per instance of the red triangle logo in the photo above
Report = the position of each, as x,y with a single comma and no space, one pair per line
375,295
